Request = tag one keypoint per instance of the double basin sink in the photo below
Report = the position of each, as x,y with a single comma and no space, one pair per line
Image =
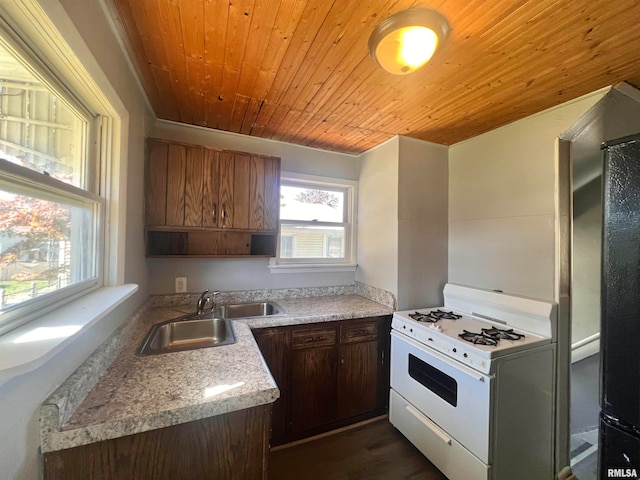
210,329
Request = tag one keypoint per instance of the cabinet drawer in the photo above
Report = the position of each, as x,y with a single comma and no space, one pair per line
359,332
313,337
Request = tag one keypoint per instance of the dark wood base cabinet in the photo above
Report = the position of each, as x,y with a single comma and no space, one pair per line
329,374
228,446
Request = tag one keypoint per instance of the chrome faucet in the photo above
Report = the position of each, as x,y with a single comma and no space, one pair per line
205,298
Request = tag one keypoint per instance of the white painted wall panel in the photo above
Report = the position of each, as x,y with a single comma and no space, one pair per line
502,197
422,263
514,254
233,274
378,217
422,230
423,181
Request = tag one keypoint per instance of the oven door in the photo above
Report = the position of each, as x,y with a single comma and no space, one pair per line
454,397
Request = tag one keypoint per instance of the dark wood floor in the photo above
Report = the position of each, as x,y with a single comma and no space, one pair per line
370,452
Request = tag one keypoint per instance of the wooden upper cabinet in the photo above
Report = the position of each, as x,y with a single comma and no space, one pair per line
194,186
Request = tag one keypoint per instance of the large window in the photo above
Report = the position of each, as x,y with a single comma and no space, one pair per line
316,221
50,210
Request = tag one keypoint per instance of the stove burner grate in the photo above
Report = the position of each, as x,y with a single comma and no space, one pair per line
434,315
478,338
490,336
502,334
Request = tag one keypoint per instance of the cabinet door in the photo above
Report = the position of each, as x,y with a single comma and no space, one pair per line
226,192
176,181
313,393
357,390
264,193
175,185
228,446
271,193
241,205
194,187
313,376
274,345
211,189
156,194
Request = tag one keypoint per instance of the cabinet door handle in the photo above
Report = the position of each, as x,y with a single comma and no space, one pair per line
215,206
223,217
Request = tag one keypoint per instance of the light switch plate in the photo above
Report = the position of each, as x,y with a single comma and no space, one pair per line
181,284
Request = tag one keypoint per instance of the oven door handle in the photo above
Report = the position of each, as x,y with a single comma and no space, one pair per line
458,366
441,434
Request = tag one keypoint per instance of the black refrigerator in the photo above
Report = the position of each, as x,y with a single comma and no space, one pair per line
619,442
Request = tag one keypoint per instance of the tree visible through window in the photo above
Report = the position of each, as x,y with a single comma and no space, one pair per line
318,197
314,223
48,212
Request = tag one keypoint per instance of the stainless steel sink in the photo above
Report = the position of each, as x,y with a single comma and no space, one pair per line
197,332
248,310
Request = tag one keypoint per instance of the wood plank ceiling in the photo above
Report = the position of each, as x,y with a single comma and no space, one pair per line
298,70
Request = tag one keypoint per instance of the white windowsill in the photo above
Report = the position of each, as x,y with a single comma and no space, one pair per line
31,345
312,267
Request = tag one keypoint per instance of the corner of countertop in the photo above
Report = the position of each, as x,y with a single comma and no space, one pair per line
60,405
58,408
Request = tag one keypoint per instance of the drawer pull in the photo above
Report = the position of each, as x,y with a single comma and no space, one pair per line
315,339
429,424
360,333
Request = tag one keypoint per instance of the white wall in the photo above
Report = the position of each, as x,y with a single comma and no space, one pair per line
402,220
422,223
378,217
231,274
253,273
21,396
502,204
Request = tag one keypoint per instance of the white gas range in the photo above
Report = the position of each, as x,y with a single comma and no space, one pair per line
472,384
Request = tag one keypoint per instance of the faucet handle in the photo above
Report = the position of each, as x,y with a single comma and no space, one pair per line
214,299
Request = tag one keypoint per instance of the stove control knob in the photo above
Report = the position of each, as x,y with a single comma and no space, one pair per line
404,326
465,355
454,350
411,330
430,339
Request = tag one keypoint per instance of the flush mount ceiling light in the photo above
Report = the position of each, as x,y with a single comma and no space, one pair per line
406,40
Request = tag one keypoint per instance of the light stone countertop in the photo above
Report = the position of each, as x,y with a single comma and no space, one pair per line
140,393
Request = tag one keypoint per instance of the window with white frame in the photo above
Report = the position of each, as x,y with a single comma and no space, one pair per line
316,221
50,209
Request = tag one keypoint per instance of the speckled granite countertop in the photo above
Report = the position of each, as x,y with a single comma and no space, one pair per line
141,393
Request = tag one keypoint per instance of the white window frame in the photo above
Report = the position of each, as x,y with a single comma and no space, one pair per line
304,265
24,181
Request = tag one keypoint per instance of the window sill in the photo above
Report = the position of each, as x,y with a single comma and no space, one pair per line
312,267
30,346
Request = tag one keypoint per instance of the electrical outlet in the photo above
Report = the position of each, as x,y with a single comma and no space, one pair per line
181,284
